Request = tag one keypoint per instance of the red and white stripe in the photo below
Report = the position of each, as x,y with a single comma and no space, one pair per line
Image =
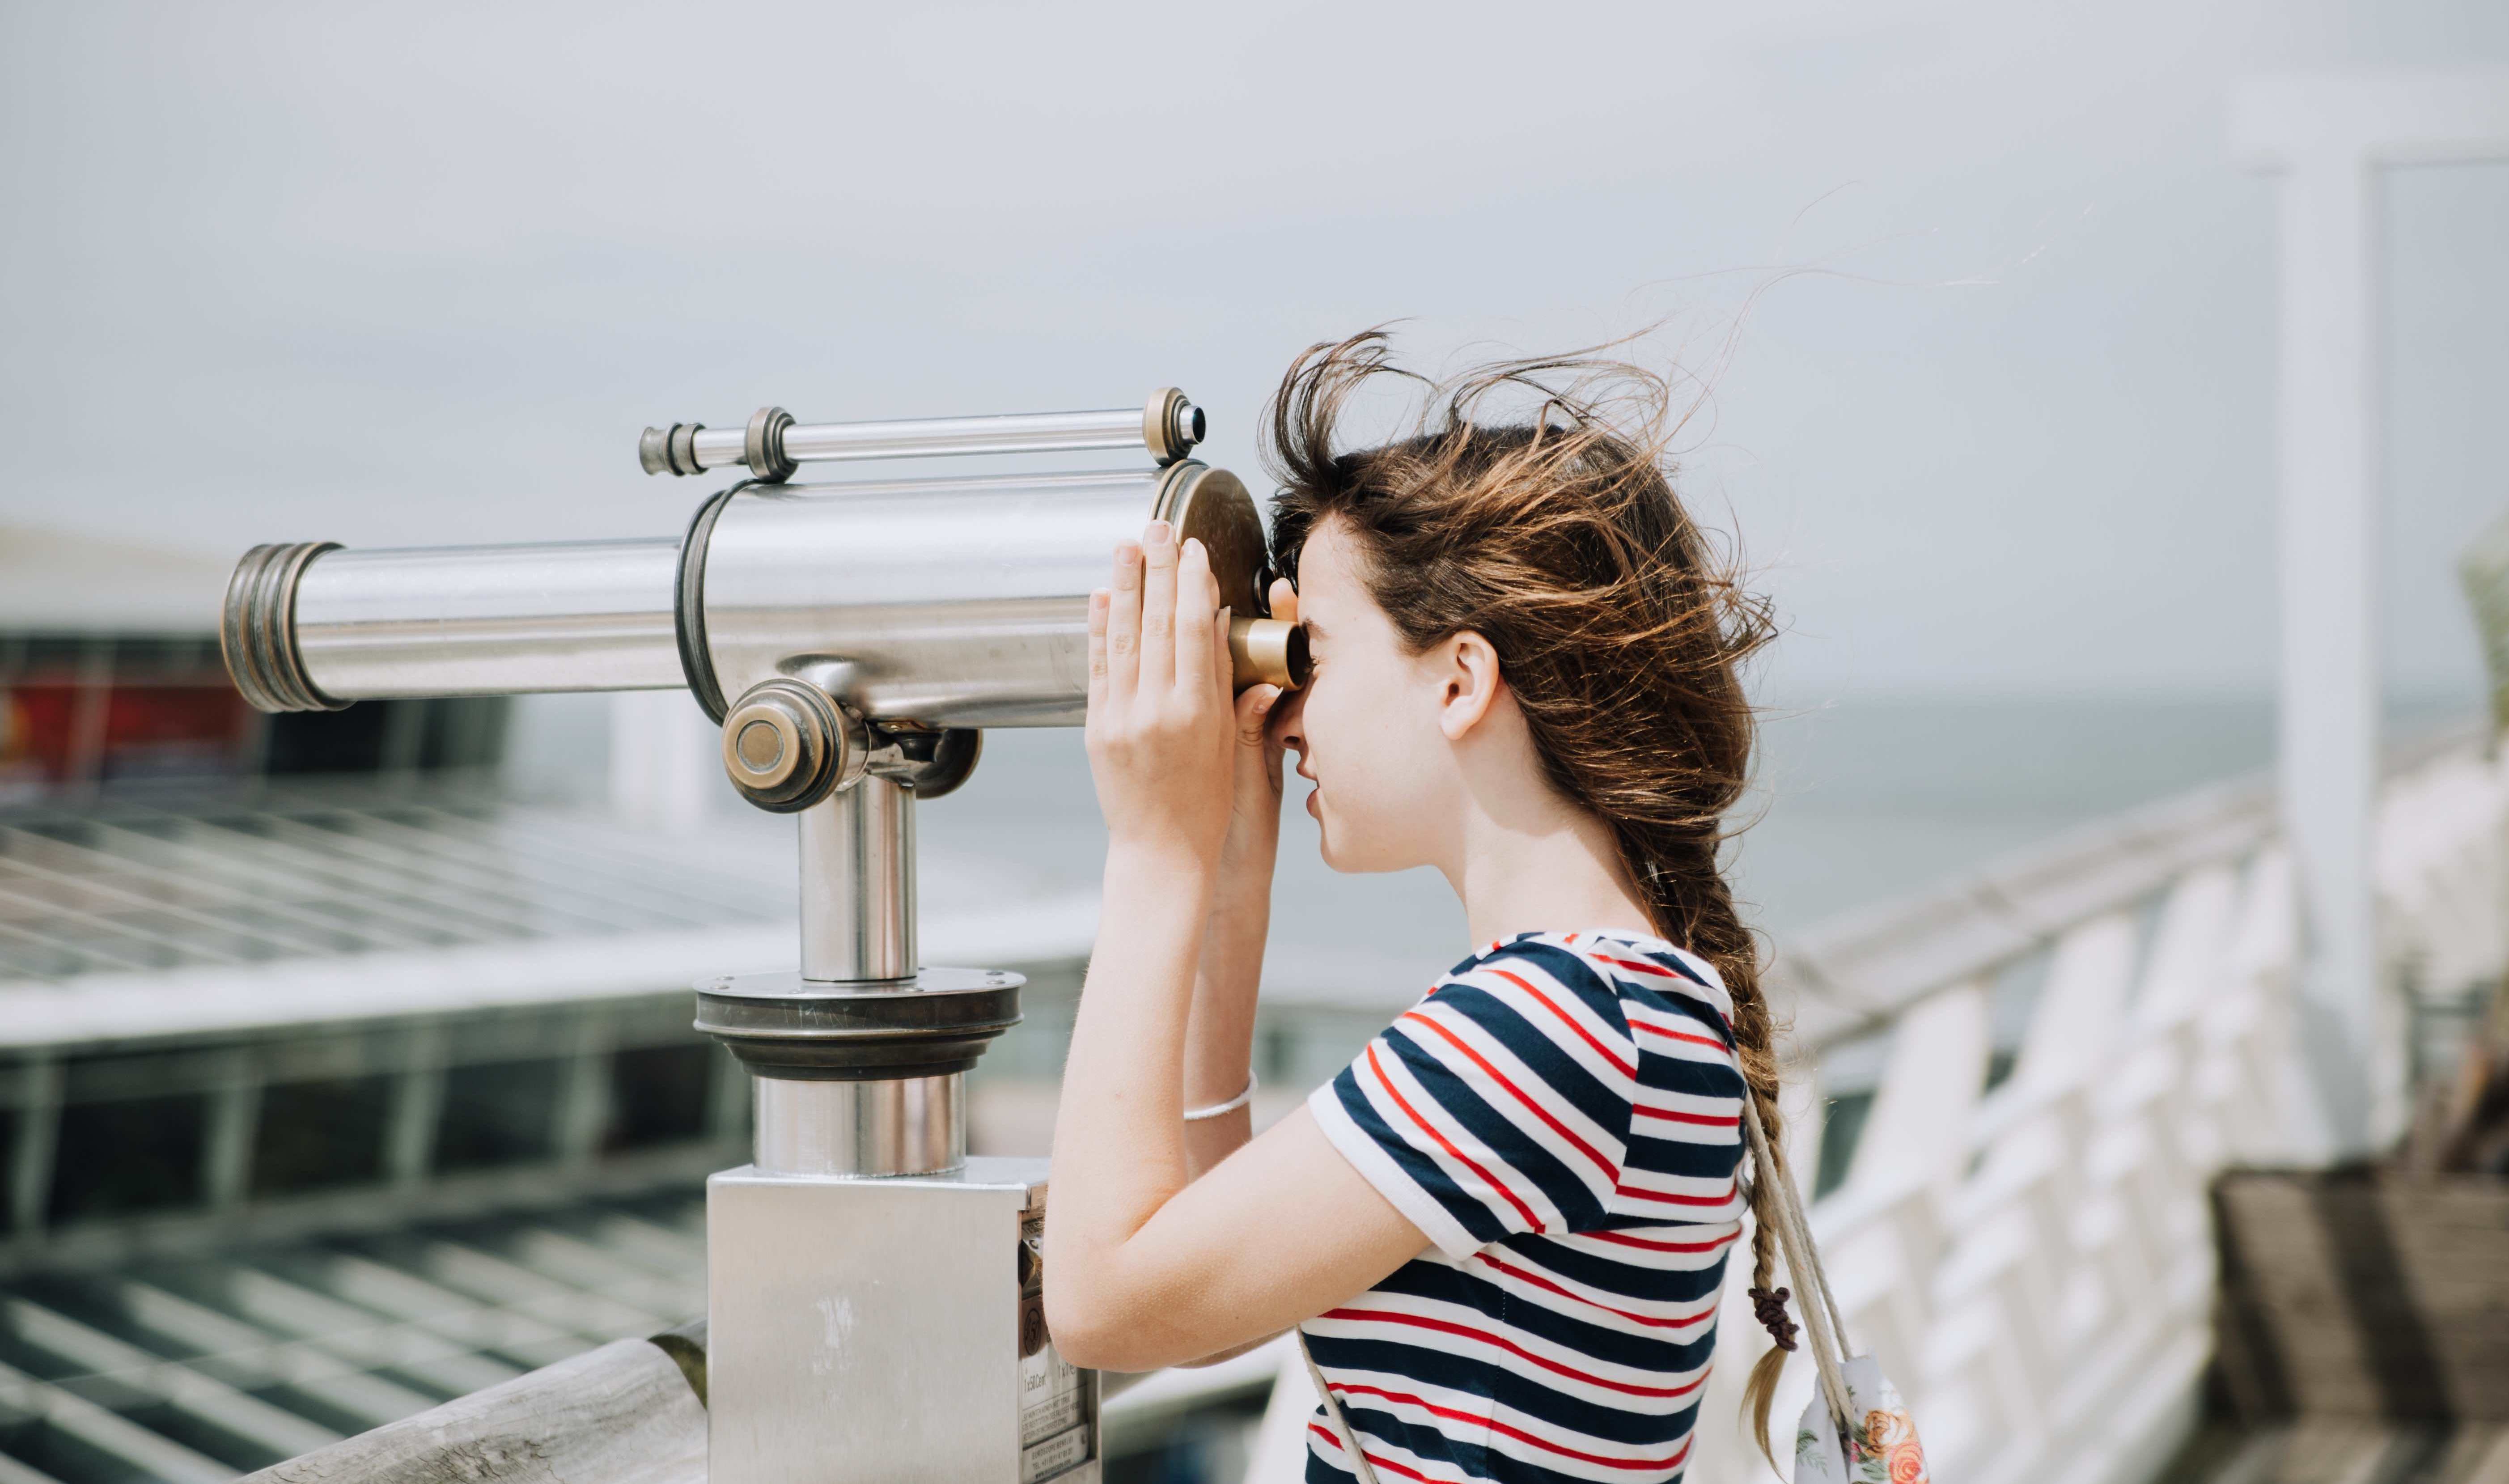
1671,1033
1457,1330
1514,1434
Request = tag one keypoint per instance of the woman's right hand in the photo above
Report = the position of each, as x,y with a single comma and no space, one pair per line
1253,837
1220,1042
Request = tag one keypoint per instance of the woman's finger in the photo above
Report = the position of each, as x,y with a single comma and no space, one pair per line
1197,604
1285,601
1158,606
1255,713
1097,605
1124,624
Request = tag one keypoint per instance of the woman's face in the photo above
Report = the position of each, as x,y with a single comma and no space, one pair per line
1366,726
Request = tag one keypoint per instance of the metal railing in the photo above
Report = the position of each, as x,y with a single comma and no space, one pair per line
2064,1052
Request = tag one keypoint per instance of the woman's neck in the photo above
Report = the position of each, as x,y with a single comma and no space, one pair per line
1548,871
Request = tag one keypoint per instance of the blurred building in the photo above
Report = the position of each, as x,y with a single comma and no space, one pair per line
336,1080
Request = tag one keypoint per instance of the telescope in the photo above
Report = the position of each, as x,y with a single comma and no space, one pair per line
874,1295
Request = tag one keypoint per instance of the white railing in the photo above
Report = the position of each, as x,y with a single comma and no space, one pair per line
2050,1063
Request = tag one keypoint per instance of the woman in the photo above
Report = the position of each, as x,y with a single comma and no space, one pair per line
1503,1229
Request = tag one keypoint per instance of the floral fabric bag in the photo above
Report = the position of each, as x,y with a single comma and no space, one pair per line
1855,1430
1880,1447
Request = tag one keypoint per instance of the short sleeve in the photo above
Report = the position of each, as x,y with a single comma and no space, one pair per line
1498,1105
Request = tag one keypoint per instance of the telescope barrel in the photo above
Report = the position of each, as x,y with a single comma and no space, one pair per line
773,446
452,620
959,602
940,602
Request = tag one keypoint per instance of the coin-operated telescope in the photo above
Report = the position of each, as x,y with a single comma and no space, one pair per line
874,1295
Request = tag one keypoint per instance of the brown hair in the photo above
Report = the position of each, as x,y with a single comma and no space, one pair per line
1619,628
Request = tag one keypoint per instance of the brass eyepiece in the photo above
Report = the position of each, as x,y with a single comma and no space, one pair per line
1267,651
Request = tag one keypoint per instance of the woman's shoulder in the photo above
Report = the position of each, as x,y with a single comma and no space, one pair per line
1642,973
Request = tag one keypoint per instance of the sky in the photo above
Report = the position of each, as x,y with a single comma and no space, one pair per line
1981,305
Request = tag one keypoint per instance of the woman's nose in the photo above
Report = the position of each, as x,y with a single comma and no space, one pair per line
1287,724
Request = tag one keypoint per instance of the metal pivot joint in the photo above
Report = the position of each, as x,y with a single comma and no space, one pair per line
786,746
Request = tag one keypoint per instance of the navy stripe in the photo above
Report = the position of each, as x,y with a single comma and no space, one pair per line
1665,1157
1565,1079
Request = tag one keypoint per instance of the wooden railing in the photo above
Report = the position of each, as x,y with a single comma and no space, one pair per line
632,1412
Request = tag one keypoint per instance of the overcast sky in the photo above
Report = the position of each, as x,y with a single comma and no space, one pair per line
287,271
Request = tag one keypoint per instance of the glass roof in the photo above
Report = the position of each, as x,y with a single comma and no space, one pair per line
124,884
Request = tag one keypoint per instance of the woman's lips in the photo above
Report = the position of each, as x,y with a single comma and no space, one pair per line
1312,809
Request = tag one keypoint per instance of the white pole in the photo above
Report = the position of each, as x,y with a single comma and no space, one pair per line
2329,136
2329,537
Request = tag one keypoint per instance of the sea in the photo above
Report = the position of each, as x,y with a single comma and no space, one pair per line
1857,801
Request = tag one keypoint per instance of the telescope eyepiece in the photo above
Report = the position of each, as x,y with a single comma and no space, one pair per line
1267,651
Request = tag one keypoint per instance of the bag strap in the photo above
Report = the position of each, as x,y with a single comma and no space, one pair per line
1803,1260
1350,1448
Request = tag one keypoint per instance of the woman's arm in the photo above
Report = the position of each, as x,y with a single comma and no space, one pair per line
1144,1265
1219,1028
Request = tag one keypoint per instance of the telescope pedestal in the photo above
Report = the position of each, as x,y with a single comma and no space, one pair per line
875,1297
887,1330
852,641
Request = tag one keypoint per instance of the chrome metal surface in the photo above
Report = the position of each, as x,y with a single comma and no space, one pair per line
1042,433
915,1126
858,884
490,620
949,602
883,1329
1168,428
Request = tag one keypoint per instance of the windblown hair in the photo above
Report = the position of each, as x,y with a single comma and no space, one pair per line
1619,628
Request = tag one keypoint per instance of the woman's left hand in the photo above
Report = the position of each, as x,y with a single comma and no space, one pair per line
1162,735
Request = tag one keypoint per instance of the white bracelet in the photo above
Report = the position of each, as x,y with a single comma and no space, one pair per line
1216,1109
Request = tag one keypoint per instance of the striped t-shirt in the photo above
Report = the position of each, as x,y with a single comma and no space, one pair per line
1560,1116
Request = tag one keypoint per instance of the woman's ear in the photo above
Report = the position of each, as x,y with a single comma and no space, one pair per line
1470,684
